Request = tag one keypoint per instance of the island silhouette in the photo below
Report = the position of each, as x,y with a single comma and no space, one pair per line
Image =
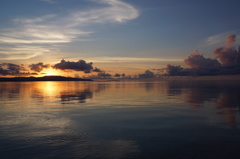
44,78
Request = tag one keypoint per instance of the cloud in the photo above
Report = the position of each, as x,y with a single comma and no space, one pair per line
49,1
116,11
147,74
64,29
60,29
227,54
20,52
38,67
198,61
130,60
230,40
39,34
216,40
12,69
174,70
97,70
117,75
36,20
81,65
104,75
227,61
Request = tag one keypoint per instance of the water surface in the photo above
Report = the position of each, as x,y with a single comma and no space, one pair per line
113,120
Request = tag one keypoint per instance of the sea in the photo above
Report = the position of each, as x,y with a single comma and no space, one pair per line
162,119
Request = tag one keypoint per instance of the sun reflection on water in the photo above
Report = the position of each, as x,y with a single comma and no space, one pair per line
112,119
49,88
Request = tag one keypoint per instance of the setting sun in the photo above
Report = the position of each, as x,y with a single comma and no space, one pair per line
50,72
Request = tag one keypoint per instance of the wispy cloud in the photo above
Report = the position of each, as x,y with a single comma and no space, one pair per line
117,11
54,28
22,52
35,20
39,34
130,60
49,1
57,29
216,40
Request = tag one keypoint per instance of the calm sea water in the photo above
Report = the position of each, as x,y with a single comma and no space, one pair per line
113,120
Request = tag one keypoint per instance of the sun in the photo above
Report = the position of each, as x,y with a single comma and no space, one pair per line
50,72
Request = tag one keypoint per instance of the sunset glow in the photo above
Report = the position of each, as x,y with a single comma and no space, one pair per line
119,79
84,38
51,72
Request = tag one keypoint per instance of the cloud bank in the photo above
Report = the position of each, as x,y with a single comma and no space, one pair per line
12,69
7,69
227,62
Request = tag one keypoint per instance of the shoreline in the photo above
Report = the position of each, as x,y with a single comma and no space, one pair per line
163,78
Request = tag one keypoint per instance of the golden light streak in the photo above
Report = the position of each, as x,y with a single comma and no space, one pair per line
51,72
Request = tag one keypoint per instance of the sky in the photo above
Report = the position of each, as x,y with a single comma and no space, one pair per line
117,36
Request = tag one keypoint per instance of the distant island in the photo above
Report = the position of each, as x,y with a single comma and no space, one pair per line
45,78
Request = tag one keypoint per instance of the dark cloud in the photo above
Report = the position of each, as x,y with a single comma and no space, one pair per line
117,75
38,67
147,74
227,62
12,69
2,71
81,65
97,70
198,61
104,75
174,70
228,55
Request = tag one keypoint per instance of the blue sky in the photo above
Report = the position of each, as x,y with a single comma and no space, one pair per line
114,34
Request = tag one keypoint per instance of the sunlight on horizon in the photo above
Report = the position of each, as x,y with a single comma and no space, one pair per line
51,72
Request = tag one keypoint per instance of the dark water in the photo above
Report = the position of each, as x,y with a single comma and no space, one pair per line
113,120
